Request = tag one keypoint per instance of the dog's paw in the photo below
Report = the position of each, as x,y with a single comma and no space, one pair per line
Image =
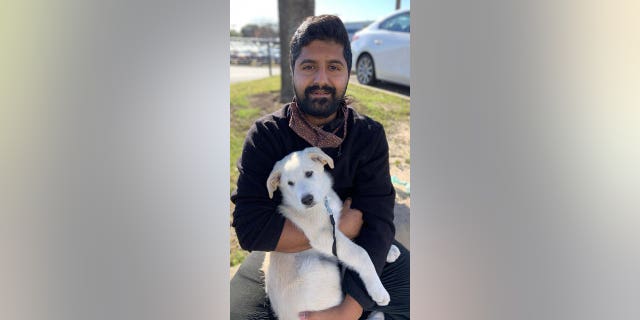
381,297
393,254
376,315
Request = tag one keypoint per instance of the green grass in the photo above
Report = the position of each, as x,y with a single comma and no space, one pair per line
243,115
242,90
382,107
236,257
248,113
248,104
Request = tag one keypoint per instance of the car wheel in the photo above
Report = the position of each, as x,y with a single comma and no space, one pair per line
365,70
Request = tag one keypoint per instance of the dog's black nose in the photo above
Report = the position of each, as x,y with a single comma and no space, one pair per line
307,200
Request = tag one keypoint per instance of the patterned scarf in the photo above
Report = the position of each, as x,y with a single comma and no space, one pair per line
315,135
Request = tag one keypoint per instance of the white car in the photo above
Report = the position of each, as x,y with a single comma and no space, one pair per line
381,51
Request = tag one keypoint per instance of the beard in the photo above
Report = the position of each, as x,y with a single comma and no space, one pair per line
320,107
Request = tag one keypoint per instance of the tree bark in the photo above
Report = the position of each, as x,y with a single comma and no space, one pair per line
291,13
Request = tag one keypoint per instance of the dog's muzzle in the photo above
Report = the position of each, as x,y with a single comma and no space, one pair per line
307,200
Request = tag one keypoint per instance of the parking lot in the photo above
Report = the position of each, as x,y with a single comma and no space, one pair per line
254,51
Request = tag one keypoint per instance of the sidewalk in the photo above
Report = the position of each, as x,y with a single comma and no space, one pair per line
246,73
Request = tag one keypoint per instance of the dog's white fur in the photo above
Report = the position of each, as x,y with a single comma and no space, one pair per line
310,280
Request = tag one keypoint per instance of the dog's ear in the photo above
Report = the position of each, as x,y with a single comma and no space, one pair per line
274,179
316,154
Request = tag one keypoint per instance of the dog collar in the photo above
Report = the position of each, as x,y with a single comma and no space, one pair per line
334,249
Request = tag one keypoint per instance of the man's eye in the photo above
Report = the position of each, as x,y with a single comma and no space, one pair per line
307,67
308,174
334,68
290,183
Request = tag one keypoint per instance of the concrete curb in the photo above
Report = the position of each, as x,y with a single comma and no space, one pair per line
401,96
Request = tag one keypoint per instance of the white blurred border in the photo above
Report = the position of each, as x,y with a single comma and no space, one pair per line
114,182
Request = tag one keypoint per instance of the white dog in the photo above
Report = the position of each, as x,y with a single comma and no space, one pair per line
310,280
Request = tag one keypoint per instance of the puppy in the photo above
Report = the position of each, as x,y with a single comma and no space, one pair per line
310,280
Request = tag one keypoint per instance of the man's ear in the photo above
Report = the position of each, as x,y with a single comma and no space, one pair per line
274,179
316,154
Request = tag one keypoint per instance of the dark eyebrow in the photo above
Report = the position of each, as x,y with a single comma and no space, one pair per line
313,61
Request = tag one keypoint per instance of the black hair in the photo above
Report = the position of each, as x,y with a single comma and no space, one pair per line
323,27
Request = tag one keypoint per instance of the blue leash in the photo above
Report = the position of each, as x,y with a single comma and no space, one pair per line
333,226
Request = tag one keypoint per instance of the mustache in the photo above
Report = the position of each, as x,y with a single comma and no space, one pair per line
328,89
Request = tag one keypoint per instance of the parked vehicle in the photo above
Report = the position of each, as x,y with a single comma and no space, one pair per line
381,51
254,51
242,54
353,27
275,53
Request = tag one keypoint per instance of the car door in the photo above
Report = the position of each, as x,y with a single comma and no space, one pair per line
392,47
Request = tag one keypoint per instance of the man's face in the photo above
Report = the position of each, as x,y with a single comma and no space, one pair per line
320,78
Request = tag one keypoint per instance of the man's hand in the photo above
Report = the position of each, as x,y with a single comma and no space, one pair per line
292,239
350,220
349,309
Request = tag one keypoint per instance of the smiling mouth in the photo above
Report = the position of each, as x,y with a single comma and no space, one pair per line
321,93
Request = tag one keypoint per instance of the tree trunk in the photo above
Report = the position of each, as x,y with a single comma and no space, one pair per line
291,13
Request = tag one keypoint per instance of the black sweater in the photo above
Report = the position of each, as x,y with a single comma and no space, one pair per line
361,171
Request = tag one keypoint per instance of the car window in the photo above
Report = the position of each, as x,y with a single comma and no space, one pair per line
399,23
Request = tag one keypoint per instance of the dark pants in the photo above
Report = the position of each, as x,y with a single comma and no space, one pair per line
249,301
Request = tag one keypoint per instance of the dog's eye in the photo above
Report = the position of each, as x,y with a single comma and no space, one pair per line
290,183
308,174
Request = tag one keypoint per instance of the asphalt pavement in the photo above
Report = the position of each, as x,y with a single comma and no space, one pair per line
246,73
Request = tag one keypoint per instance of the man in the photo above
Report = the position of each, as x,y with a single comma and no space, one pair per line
319,116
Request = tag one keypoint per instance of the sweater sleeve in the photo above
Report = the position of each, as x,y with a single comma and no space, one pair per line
374,195
257,223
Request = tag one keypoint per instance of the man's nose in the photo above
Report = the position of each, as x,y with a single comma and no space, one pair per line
321,77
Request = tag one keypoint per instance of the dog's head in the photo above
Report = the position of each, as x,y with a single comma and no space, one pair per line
301,178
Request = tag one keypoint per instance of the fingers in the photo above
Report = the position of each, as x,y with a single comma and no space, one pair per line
350,220
306,315
347,203
346,207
